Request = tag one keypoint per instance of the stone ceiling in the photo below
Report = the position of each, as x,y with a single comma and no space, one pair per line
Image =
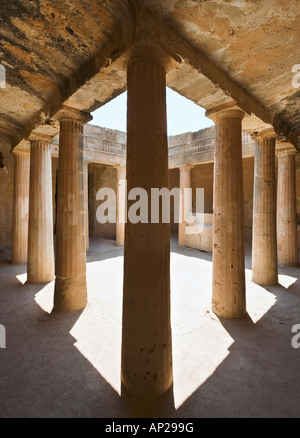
73,52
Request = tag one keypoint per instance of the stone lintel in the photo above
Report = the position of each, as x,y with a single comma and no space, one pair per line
4,136
10,131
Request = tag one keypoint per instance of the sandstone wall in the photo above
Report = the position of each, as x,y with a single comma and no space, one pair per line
202,176
100,176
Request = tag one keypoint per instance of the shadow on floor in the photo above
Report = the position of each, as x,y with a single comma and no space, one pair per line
102,249
44,374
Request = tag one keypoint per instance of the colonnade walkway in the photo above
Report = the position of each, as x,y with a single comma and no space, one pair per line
68,364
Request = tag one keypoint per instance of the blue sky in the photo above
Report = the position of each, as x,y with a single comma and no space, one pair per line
182,114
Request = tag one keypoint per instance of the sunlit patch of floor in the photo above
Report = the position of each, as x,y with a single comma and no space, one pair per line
206,349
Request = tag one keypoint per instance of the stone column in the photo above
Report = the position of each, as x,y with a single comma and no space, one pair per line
286,209
228,288
20,207
40,264
264,243
185,203
70,291
86,204
121,205
146,336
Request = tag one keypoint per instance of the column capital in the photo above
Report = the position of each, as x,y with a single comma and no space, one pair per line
285,147
18,152
265,134
229,109
150,52
121,171
44,131
39,137
22,148
67,112
119,166
185,167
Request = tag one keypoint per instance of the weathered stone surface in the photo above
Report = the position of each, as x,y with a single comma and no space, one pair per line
186,202
6,193
40,263
199,234
57,53
73,57
19,243
70,262
100,176
264,247
228,296
146,368
287,209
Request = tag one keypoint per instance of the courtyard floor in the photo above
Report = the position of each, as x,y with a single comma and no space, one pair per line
68,365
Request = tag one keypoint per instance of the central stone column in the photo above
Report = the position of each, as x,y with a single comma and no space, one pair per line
287,207
186,202
146,338
228,289
20,207
70,292
264,244
40,264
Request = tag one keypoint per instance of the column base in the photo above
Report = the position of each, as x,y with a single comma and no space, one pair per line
181,242
234,307
43,279
145,386
271,280
70,294
289,263
19,261
227,314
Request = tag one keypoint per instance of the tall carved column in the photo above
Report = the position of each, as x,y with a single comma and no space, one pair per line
70,291
40,264
121,203
86,204
6,184
264,243
20,207
146,336
286,208
186,202
228,291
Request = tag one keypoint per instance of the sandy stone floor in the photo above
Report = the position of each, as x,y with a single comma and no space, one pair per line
68,365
